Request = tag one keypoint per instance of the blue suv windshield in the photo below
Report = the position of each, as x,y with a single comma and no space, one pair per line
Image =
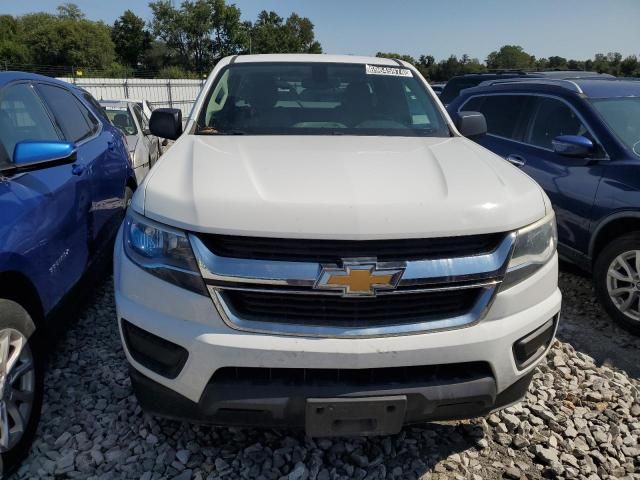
622,115
320,99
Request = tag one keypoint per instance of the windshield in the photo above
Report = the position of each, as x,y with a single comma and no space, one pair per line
320,99
622,115
121,118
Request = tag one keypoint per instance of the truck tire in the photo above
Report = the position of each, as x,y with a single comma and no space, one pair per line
21,383
616,276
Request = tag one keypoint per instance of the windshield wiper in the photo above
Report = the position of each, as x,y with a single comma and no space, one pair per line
213,131
233,131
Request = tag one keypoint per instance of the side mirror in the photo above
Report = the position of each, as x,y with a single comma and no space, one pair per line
573,146
166,123
33,155
471,124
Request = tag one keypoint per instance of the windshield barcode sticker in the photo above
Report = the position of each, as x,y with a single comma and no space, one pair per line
393,71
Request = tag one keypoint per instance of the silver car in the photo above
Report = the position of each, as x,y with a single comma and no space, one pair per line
144,148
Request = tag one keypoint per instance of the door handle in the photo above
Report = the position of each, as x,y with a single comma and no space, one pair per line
111,144
77,169
516,160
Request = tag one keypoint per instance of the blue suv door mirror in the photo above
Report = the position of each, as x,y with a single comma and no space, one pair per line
471,124
573,146
33,155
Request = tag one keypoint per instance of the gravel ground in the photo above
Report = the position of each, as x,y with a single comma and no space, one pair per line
580,419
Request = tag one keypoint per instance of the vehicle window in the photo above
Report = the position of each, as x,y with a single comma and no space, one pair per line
504,113
621,115
453,87
22,117
122,118
94,103
319,98
68,112
89,117
552,118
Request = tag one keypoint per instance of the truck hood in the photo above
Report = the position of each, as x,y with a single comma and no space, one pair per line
346,187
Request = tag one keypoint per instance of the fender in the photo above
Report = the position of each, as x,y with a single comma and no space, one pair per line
606,221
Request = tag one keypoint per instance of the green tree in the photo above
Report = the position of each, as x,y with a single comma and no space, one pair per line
630,66
558,63
575,65
61,40
199,31
130,38
300,35
70,11
542,63
272,34
510,57
175,72
12,49
406,58
157,56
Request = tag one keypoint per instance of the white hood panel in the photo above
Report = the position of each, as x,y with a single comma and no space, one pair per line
345,187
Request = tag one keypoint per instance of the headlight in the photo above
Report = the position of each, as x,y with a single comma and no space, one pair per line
535,245
162,251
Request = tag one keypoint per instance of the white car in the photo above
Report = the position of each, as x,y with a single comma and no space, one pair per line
145,105
144,147
334,255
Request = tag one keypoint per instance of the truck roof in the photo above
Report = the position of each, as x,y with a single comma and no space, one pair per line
316,58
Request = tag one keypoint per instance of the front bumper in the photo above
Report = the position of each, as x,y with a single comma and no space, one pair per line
192,322
279,404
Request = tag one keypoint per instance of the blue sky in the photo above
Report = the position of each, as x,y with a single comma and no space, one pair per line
569,28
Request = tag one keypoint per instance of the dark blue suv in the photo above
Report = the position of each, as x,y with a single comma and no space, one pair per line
65,180
580,140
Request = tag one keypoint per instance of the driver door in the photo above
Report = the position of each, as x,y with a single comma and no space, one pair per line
47,224
570,183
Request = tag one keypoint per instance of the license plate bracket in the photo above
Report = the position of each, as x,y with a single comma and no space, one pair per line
328,417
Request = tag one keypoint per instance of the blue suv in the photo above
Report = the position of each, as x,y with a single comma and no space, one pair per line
65,180
580,140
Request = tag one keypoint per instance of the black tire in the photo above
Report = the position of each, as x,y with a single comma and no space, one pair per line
611,251
14,316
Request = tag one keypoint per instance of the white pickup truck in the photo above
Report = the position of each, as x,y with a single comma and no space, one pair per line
323,248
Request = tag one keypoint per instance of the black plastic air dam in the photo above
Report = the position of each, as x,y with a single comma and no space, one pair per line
157,354
279,405
529,348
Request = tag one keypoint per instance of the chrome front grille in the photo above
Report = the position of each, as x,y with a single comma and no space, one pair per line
278,296
332,251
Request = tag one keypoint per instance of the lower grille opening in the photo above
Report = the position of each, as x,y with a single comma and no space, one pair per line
357,377
365,312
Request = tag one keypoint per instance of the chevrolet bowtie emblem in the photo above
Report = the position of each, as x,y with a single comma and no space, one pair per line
359,278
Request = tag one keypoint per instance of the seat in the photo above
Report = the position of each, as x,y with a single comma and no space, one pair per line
357,103
262,97
122,121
